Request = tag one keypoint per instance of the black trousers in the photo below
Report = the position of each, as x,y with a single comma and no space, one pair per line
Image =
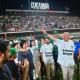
43,69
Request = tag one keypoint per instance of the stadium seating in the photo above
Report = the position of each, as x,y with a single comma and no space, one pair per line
33,23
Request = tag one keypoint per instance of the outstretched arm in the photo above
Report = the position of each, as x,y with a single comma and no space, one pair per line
49,35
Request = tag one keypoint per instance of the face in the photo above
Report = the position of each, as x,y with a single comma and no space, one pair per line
17,46
42,41
66,36
5,56
55,35
5,51
47,41
33,43
25,45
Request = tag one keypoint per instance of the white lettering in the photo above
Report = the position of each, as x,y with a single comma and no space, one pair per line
36,5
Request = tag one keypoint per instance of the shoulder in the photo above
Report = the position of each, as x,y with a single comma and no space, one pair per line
71,42
51,44
29,51
43,45
20,52
59,41
79,44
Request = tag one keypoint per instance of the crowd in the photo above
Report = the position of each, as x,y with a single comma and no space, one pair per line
28,59
33,22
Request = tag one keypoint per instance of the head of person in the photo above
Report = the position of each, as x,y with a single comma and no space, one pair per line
55,34
16,44
4,50
33,43
66,36
24,44
33,37
42,41
47,40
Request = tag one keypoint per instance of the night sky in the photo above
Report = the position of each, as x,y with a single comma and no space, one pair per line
72,5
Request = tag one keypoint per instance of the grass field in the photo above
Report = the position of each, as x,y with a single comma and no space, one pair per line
59,76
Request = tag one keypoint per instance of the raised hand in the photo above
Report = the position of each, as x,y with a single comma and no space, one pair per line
43,30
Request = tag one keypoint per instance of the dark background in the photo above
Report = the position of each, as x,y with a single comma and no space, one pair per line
71,5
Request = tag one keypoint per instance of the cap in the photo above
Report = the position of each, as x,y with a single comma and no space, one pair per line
55,32
12,51
45,36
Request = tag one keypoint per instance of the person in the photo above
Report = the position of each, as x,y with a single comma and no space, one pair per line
77,55
47,57
5,73
35,51
66,54
12,65
16,45
25,56
43,69
55,51
14,49
42,41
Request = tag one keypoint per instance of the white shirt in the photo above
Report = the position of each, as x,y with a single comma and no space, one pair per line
35,52
34,47
46,50
66,51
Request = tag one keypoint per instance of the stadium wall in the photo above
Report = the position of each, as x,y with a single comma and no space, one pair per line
10,35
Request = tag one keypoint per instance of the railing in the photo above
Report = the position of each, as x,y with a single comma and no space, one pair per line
73,32
14,10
